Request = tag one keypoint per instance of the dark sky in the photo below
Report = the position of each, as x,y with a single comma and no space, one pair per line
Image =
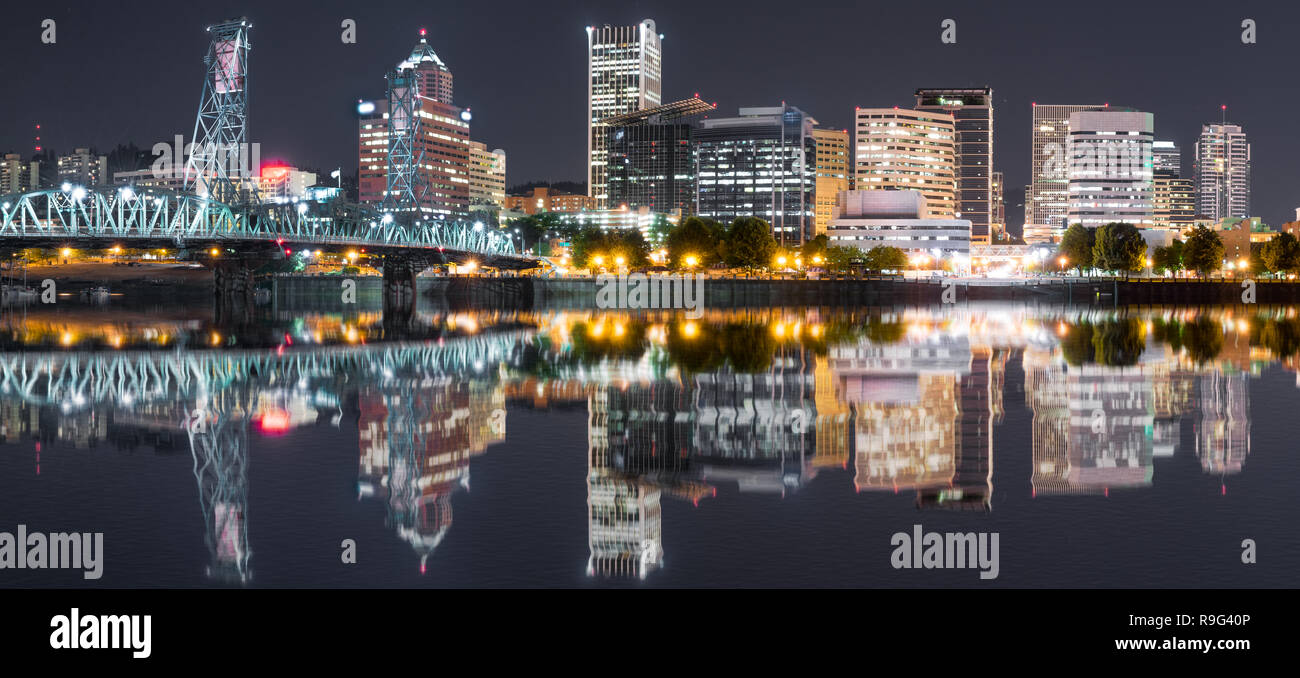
132,71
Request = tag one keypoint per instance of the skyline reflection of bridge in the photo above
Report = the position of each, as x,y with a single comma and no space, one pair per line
898,400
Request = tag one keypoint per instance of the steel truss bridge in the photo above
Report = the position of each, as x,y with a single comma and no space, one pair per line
125,216
220,207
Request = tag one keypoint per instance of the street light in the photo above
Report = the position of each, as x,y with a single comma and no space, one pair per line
691,261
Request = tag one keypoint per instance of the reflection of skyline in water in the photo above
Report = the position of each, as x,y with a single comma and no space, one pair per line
899,400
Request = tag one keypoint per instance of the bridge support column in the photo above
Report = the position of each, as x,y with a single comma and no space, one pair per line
400,289
234,284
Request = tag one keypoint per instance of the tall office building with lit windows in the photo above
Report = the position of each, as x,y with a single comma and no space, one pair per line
972,111
834,173
444,141
761,164
432,77
1109,156
900,149
1222,172
1174,196
1166,159
1047,201
650,161
624,66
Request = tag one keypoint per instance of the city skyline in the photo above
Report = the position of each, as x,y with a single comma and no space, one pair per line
491,82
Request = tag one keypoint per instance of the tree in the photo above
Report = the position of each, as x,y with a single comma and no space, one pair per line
882,258
1203,251
815,248
531,230
694,237
1077,245
842,258
609,246
1281,254
749,243
1119,247
1168,258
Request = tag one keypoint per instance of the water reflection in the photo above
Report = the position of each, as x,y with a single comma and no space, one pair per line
897,400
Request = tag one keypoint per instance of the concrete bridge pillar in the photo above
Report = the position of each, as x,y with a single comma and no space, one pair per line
400,289
233,283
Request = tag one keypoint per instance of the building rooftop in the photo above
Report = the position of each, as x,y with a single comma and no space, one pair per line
421,53
670,111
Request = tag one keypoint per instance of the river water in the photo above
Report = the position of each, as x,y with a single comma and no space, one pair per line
746,448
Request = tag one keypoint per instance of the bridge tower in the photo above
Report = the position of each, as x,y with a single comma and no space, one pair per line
219,445
221,164
407,187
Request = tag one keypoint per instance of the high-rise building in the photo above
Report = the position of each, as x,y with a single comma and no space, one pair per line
18,175
1109,156
901,149
83,168
998,224
1173,203
972,112
834,173
1166,160
1222,172
624,68
650,162
443,171
1048,198
762,164
432,77
487,178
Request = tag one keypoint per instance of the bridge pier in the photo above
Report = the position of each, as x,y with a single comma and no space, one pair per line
233,283
400,290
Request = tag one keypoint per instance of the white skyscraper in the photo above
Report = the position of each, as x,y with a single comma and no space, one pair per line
1110,167
1222,172
624,66
1046,200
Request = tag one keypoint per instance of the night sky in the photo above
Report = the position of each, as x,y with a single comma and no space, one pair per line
132,71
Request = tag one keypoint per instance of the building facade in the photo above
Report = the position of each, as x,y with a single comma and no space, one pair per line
972,111
1222,172
487,178
1109,155
834,174
543,199
432,77
624,74
650,163
899,149
442,149
998,225
18,175
83,168
1166,160
1047,201
761,163
1173,203
882,218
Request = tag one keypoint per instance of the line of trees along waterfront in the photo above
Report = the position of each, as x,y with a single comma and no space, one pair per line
1119,248
699,243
